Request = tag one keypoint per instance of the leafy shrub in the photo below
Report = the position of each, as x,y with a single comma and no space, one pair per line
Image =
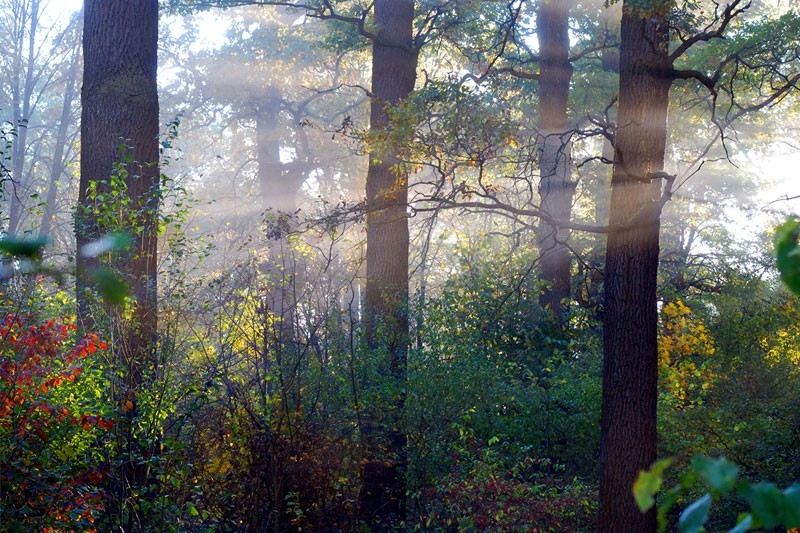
48,479
486,493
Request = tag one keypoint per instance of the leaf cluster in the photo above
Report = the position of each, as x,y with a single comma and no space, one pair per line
768,506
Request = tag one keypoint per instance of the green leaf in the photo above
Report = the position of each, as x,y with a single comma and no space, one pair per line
648,484
665,505
791,517
719,474
30,248
693,517
744,524
113,288
113,242
787,251
767,503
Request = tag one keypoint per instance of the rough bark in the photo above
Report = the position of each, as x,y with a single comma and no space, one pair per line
394,64
120,105
556,188
630,372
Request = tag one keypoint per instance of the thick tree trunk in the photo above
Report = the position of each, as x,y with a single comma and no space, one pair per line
394,65
556,188
120,105
630,372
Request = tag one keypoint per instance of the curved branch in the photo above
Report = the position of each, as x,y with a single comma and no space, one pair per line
731,11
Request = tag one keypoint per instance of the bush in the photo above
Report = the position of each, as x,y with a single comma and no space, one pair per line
49,479
487,493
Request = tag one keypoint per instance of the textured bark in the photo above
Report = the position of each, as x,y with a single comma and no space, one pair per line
120,104
394,64
630,371
556,188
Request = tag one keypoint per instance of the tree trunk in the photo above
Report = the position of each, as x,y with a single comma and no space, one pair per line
394,64
630,371
62,152
268,145
120,106
25,52
556,189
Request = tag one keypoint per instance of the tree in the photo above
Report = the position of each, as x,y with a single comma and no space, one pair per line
757,70
394,68
556,188
119,189
630,369
64,150
40,74
26,75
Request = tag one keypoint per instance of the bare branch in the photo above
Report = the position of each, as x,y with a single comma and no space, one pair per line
731,11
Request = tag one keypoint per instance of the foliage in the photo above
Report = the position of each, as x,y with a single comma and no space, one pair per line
787,251
50,472
488,492
684,348
767,505
489,355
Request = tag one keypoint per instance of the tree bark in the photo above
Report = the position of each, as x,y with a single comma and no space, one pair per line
120,107
630,371
556,188
394,65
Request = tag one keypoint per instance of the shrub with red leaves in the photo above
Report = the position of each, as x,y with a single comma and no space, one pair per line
47,481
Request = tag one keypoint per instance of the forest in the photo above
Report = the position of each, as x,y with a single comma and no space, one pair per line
396,265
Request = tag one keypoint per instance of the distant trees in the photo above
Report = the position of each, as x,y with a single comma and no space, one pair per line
40,75
556,185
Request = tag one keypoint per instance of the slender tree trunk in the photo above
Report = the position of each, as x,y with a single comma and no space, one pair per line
630,372
394,64
61,148
556,188
22,95
120,106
